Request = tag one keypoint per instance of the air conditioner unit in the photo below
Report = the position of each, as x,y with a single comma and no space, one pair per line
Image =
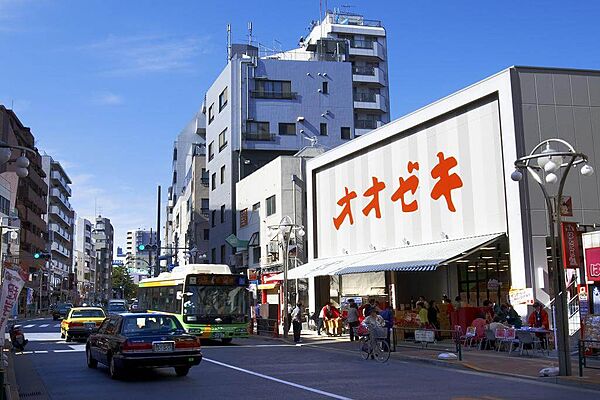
274,247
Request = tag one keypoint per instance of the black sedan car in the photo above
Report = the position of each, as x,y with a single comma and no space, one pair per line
60,311
148,340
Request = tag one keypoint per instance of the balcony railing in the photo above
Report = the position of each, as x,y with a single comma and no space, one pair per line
361,44
258,137
273,95
347,19
363,70
365,97
365,124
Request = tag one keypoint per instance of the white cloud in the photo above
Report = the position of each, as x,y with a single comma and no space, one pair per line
125,55
107,99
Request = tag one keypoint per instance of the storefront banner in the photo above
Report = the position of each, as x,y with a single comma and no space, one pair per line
521,296
429,183
12,284
592,264
570,245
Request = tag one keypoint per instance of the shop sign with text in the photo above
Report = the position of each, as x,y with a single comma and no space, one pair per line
592,264
570,240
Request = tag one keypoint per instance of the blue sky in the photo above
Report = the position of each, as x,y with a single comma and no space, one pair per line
106,85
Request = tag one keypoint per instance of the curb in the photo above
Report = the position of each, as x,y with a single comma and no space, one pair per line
572,381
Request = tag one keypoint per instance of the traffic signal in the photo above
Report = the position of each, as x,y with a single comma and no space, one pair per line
147,247
41,255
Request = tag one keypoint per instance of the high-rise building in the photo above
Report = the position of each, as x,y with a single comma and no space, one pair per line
60,219
264,105
30,204
103,236
85,260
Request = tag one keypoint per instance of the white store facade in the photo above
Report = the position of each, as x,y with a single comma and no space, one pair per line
425,204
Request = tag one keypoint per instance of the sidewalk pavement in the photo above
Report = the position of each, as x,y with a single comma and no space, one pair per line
487,361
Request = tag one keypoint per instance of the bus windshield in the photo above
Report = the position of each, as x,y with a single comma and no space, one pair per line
215,300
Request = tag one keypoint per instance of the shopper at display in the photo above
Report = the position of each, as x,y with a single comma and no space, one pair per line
321,320
458,303
352,319
432,317
388,316
422,313
332,320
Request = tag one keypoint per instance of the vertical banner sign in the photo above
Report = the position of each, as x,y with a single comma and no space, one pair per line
29,296
570,245
9,293
592,264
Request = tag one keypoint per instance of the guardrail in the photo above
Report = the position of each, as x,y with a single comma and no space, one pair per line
588,350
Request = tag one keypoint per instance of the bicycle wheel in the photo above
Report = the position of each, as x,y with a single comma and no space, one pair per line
382,351
365,347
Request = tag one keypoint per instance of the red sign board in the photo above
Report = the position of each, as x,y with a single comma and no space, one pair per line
592,264
570,245
566,206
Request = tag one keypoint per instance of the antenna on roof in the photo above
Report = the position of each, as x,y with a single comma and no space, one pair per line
228,42
312,139
250,32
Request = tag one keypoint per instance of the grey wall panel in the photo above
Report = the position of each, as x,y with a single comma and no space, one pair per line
594,88
531,126
579,90
562,89
547,116
565,125
527,82
544,88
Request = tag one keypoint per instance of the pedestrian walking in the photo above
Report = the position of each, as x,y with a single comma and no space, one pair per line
297,321
352,319
321,320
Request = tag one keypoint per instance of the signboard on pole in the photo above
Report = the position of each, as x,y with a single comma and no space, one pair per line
521,296
12,283
570,240
584,303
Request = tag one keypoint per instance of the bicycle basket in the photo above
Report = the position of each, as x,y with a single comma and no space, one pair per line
362,330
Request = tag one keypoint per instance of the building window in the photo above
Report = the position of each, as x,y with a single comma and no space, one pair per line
325,88
206,234
4,205
213,255
223,99
345,131
211,151
256,207
256,130
256,255
213,184
223,213
287,128
271,205
211,114
266,89
222,174
223,254
204,207
243,217
323,129
222,140
213,217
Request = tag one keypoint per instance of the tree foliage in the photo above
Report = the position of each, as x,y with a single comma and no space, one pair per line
121,278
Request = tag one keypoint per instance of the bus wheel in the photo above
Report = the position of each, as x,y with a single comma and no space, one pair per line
226,340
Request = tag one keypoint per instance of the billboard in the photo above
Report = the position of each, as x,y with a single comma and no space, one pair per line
440,180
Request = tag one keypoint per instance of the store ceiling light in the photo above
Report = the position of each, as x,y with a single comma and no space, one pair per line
487,257
462,261
488,248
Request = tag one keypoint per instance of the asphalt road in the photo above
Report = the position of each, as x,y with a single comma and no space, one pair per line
261,369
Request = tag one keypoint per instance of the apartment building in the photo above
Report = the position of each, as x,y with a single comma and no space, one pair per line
60,219
136,258
85,260
103,237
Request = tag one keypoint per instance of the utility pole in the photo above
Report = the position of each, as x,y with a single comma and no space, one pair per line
157,268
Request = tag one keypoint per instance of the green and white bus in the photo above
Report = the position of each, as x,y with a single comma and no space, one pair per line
208,299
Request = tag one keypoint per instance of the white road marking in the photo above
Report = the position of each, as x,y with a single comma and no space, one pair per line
40,352
43,325
57,326
69,351
296,385
250,345
29,326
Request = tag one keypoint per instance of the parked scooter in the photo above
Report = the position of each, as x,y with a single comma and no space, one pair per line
17,337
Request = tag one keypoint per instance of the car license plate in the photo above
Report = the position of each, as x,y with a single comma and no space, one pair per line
89,325
217,335
162,347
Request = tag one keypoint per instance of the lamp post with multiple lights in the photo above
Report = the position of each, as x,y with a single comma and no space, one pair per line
543,164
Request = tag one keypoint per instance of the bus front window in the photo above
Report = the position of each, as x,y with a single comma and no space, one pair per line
215,300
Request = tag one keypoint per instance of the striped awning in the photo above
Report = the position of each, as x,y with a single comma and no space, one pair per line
422,257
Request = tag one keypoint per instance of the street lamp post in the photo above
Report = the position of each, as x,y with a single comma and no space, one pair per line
548,162
285,228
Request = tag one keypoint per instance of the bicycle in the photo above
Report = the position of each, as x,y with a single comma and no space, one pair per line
373,345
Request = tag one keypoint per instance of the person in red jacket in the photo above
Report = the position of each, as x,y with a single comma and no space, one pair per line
539,317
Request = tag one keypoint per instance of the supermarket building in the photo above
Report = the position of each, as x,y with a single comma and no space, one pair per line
425,206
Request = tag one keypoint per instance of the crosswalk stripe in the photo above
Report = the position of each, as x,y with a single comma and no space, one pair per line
57,326
29,326
44,326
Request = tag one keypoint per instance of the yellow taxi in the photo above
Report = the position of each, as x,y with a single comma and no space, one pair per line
80,322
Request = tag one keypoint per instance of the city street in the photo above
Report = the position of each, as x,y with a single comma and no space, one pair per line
261,368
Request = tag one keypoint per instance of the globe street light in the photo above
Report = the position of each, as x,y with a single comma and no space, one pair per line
285,228
548,162
21,163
